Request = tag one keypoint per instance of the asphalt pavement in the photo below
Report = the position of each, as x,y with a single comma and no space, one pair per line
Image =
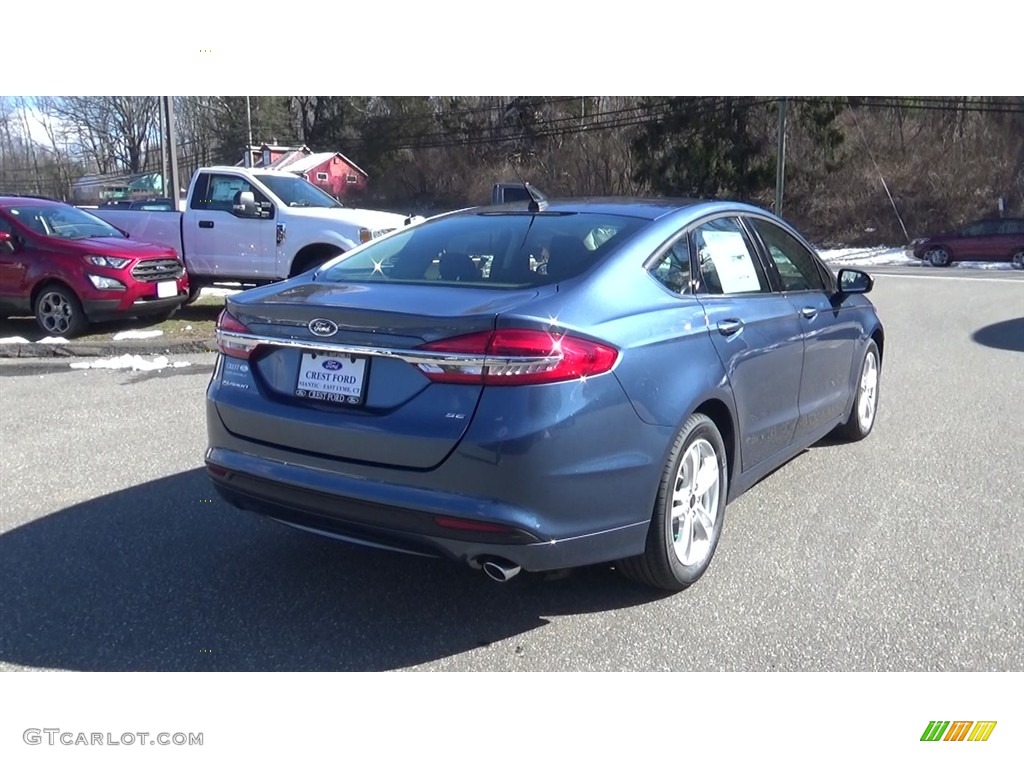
902,552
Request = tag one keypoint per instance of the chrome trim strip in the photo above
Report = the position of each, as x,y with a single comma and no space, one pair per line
415,357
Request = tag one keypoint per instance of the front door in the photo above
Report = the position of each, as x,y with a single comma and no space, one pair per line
830,331
223,242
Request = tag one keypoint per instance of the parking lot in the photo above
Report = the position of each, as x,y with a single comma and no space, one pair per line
901,552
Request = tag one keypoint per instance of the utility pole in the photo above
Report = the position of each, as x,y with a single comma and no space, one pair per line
248,147
780,156
172,149
163,153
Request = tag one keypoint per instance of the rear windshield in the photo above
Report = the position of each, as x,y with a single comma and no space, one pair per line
499,250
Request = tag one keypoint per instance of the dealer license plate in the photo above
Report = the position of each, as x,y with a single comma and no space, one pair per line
332,378
166,289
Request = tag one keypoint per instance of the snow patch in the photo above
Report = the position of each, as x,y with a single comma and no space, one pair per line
132,362
14,340
137,335
53,340
219,291
867,257
886,256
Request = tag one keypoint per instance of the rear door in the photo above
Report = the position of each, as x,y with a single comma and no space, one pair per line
756,334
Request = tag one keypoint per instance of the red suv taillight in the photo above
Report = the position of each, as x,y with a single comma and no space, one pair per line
228,322
515,356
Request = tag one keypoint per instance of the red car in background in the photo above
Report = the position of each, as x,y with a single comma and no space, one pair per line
985,240
68,268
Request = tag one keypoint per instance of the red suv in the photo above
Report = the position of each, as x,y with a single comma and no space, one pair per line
69,268
986,240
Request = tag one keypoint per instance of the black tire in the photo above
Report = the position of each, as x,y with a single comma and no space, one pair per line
856,427
938,257
59,312
661,566
194,289
1017,260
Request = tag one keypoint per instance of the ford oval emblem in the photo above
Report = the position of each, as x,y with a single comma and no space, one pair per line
332,365
322,327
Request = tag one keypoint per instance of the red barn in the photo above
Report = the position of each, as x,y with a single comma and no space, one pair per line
332,172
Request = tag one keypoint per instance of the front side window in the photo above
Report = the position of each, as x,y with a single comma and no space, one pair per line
500,250
797,266
726,260
220,192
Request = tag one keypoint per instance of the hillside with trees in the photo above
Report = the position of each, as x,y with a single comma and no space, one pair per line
858,170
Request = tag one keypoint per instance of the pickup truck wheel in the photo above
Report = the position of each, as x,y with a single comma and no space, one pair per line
59,312
313,259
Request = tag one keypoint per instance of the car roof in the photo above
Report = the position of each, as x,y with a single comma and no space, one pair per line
639,207
8,200
241,169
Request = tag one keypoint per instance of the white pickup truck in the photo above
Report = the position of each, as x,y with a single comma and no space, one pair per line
253,226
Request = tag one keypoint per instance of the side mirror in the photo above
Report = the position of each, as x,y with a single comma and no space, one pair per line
855,281
8,242
245,204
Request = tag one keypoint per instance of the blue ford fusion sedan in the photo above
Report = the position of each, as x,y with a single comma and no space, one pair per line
542,385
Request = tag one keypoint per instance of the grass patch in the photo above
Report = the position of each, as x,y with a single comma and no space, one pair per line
196,321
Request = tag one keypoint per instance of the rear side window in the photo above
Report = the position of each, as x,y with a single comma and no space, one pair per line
981,228
673,268
499,250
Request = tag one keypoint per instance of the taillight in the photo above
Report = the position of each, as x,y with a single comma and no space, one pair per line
228,322
515,356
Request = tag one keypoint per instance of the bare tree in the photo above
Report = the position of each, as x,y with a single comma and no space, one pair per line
114,132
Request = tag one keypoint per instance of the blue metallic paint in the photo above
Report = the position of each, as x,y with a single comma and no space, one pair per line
577,463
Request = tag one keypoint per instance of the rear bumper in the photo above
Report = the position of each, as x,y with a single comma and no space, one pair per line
356,510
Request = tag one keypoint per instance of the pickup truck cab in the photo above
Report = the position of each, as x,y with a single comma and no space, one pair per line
254,226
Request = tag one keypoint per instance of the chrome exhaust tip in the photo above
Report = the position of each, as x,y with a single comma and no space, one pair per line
499,569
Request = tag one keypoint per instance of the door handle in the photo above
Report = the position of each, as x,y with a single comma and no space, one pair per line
809,312
206,225
729,327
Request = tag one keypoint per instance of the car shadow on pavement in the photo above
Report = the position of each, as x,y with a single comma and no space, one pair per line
1008,334
165,576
